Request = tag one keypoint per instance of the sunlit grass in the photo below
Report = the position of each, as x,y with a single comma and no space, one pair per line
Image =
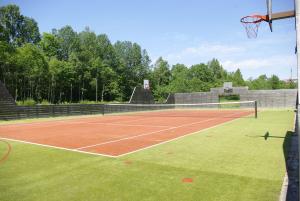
241,160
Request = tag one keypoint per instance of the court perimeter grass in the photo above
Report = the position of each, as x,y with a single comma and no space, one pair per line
240,160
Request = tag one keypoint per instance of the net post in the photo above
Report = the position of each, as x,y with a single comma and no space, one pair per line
102,108
255,108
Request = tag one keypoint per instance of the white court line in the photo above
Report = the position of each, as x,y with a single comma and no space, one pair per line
30,124
51,120
92,123
62,148
140,135
63,122
150,133
177,138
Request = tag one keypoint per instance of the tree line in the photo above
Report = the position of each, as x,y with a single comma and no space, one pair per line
70,66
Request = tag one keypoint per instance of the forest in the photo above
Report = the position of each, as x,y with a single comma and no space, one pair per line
66,66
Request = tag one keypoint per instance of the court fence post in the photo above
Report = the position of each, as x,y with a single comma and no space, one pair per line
102,108
255,107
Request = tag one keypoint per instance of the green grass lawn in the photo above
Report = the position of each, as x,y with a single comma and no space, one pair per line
232,162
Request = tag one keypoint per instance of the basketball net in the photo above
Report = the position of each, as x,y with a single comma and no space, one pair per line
251,24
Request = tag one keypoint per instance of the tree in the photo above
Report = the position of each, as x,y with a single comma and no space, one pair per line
260,83
29,32
105,77
62,75
179,79
218,71
237,78
106,51
132,69
68,66
201,78
161,72
160,79
274,82
68,41
50,45
291,84
7,52
17,29
32,69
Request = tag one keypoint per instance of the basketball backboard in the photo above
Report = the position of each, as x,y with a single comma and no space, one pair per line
269,13
227,86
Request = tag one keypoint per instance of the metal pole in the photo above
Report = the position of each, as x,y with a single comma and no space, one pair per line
297,22
297,14
255,105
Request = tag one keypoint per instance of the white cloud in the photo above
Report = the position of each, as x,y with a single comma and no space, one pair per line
215,49
268,55
193,55
261,63
175,36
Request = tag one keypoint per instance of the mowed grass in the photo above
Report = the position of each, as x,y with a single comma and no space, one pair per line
239,161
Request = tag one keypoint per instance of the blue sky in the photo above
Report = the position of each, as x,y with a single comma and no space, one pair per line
181,31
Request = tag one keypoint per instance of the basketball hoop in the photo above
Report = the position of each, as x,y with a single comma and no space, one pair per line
251,24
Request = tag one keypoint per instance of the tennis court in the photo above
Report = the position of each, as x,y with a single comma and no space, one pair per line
122,133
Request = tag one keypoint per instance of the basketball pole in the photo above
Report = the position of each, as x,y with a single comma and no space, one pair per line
297,15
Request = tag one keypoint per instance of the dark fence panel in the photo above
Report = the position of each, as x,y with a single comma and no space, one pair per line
40,111
121,108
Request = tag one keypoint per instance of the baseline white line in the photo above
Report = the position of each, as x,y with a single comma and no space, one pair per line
55,147
150,133
177,138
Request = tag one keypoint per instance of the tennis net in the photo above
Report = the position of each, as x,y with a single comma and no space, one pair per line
225,109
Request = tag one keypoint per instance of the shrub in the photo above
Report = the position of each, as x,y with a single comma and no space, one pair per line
45,102
87,102
27,102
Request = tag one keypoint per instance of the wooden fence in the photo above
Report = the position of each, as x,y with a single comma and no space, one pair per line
39,111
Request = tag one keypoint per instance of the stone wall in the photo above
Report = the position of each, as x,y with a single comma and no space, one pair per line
235,90
280,98
199,97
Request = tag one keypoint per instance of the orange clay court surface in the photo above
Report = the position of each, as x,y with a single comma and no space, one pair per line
117,135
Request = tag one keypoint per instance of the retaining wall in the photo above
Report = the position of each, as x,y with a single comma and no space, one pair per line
199,97
235,90
281,98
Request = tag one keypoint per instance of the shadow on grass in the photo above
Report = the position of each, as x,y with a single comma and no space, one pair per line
290,152
267,135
